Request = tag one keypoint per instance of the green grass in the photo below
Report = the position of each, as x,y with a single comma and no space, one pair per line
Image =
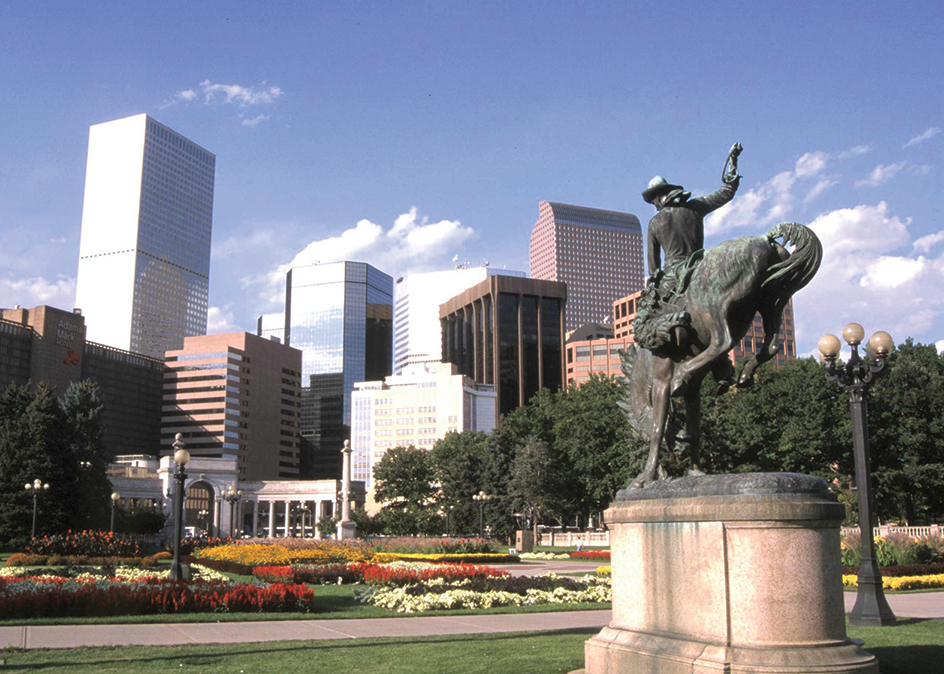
911,647
334,602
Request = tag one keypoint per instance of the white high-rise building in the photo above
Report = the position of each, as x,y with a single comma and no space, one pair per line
144,258
415,408
417,334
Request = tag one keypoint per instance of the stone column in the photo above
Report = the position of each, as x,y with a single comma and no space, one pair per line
271,519
255,518
347,529
216,518
288,517
319,512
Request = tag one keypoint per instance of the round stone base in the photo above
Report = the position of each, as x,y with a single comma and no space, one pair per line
736,573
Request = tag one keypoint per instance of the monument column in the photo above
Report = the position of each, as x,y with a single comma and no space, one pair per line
271,519
347,529
288,517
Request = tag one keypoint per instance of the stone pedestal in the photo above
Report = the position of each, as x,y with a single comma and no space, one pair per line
731,573
347,531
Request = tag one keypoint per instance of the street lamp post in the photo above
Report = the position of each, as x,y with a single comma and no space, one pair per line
304,510
202,517
34,488
179,571
115,497
871,607
232,496
482,498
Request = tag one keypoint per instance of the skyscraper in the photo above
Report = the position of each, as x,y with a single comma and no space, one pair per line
144,258
417,336
340,315
597,253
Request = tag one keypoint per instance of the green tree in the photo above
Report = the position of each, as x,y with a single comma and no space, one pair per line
906,430
461,463
82,407
535,483
403,482
34,445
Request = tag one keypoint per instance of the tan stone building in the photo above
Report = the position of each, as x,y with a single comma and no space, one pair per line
235,396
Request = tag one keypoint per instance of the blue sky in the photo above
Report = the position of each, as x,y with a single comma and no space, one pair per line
405,133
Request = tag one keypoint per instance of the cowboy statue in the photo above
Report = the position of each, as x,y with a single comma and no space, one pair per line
678,228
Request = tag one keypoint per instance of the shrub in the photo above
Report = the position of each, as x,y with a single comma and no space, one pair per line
895,571
89,543
24,559
458,558
426,545
163,554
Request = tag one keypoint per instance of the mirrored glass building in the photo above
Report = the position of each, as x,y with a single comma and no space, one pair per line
340,315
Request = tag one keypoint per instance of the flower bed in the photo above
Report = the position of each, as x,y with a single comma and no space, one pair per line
28,593
590,554
397,573
87,543
547,556
436,558
260,554
606,570
911,570
26,559
902,582
477,593
425,545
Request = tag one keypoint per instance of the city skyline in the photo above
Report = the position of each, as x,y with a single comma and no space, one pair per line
389,146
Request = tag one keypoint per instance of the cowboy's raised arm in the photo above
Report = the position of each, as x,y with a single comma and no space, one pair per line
718,198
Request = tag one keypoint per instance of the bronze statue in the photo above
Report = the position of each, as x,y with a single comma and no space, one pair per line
697,305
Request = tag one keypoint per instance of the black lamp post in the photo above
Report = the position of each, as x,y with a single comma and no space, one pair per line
34,488
871,607
179,571
115,497
482,498
304,510
232,496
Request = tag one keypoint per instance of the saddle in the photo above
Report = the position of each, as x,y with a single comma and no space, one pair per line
661,320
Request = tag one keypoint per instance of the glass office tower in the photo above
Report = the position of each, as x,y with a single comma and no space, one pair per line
340,315
144,257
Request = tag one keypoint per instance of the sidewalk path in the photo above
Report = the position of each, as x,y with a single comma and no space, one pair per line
172,634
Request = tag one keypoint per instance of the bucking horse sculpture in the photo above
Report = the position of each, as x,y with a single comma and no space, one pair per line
685,329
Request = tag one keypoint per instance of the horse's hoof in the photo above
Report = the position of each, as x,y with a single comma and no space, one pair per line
724,386
745,382
644,478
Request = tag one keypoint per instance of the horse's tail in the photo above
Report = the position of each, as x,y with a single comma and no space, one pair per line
637,381
796,271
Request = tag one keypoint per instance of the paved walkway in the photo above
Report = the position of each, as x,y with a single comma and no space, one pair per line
171,634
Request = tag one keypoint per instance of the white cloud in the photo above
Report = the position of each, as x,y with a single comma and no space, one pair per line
882,174
60,239
925,243
36,290
187,95
220,321
773,200
255,120
236,93
864,278
854,151
810,164
411,244
920,138
819,188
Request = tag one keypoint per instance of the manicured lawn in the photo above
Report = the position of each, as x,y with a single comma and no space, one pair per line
912,647
333,602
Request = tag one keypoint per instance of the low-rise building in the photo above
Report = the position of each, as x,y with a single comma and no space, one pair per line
415,408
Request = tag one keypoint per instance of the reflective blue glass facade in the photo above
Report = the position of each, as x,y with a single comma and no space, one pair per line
341,317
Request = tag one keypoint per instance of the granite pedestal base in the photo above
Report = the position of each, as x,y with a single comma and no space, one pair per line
733,574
